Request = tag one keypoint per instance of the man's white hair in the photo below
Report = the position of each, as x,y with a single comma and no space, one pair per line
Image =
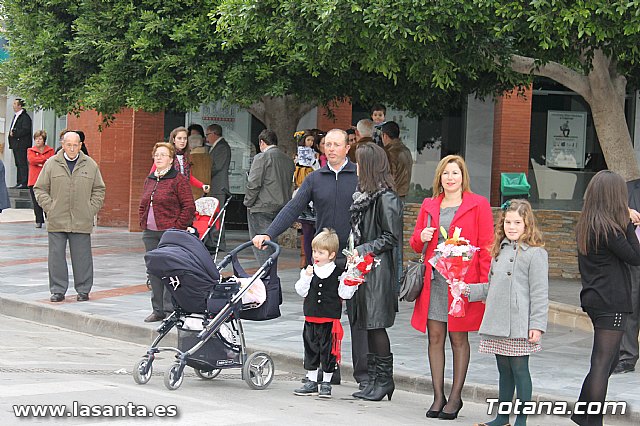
365,128
67,136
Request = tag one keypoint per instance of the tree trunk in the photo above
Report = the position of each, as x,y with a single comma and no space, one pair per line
604,90
606,99
282,114
613,134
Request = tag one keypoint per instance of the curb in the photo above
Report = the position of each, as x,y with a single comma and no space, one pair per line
133,333
569,316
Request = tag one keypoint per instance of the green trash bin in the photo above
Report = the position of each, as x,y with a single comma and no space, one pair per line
514,185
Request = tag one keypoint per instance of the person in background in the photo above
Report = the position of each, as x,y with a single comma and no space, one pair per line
268,187
322,157
376,222
83,146
607,244
182,162
378,114
71,191
220,153
401,163
452,205
303,168
351,133
196,129
20,141
364,134
166,203
5,202
37,155
629,350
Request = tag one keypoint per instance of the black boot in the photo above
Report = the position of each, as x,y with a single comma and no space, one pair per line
371,372
384,379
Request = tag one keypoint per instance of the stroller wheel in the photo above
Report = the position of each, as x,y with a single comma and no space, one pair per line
173,376
207,375
139,375
258,370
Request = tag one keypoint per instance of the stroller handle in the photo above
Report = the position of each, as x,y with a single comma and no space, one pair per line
248,244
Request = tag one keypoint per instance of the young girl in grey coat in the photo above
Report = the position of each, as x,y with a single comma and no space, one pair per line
517,302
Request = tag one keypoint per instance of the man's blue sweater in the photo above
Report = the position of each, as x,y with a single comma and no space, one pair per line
332,195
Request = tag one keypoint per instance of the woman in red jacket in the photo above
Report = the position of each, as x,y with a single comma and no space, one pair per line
453,205
37,155
166,203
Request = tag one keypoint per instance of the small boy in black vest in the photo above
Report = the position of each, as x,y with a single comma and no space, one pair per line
323,291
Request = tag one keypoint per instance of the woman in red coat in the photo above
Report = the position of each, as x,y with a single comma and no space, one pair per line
453,205
37,155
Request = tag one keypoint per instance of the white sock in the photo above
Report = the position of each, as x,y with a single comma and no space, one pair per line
326,377
312,375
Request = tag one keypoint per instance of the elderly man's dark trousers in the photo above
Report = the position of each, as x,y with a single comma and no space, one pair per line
81,262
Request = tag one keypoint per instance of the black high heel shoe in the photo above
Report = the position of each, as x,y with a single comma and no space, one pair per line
433,414
450,416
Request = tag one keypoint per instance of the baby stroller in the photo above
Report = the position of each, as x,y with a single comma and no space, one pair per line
208,215
208,311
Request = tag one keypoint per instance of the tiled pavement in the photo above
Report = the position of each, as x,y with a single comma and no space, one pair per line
120,296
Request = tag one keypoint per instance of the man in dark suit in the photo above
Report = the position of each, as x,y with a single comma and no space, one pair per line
20,141
220,153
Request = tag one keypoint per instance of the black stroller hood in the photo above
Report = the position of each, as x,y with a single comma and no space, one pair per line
185,267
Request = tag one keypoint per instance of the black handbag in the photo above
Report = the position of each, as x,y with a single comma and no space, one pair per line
413,275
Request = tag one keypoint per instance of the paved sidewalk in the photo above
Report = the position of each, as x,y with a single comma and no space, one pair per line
120,301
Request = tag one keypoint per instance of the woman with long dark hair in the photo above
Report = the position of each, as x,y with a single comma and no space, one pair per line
607,244
376,223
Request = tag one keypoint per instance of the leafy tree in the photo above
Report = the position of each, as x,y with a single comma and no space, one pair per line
589,46
71,55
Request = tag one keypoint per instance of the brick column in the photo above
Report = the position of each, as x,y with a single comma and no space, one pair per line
342,114
511,136
123,152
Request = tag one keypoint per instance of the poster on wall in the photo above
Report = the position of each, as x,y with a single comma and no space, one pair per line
566,138
235,123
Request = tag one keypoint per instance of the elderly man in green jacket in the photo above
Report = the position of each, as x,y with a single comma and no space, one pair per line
70,190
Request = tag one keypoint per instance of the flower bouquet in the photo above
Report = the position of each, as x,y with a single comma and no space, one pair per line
452,259
357,266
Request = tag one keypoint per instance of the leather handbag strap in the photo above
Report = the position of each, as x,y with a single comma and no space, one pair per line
424,249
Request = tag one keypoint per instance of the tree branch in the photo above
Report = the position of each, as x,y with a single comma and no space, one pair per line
555,71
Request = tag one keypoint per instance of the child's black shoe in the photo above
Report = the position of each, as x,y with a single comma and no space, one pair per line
325,390
309,388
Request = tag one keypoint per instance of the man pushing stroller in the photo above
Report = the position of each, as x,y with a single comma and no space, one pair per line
323,291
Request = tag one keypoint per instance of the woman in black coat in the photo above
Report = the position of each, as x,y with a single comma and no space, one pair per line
607,244
376,222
